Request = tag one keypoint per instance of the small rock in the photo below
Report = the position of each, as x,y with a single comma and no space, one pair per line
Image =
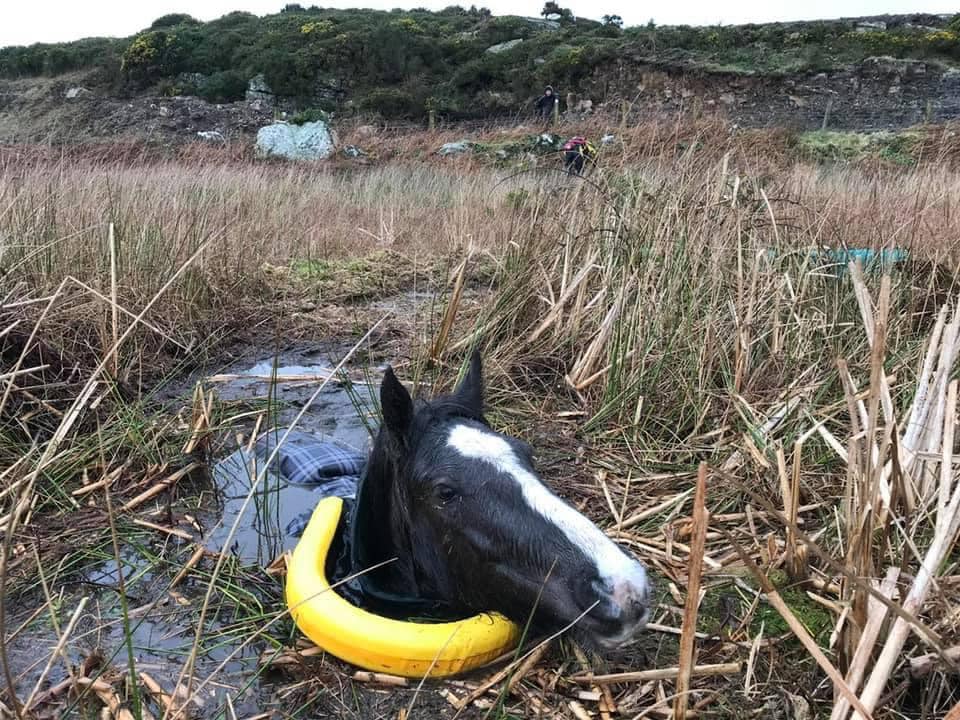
728,99
504,46
76,92
798,101
258,89
164,110
456,148
545,23
270,269
608,139
352,151
211,136
308,306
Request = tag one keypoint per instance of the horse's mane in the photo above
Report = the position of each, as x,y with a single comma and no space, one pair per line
381,513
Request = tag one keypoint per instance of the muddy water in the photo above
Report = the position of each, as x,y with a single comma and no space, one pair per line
335,415
162,639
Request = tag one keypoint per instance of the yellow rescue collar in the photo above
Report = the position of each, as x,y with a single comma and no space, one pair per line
374,642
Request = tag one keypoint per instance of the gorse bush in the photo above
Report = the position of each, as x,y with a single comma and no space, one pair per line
152,56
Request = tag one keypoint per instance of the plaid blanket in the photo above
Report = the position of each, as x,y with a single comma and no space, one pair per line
312,463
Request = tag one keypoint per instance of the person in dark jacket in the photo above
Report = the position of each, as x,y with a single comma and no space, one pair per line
545,103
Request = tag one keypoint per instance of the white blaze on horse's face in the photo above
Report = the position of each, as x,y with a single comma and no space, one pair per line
623,589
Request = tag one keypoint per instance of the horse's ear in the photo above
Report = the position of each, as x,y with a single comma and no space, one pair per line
470,393
396,405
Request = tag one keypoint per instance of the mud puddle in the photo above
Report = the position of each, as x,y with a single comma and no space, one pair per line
339,413
246,598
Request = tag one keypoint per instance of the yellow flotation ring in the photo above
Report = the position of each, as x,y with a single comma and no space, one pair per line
374,642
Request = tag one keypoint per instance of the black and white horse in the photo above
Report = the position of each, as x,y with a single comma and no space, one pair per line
462,514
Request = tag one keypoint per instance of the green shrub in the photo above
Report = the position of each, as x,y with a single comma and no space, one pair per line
310,115
391,102
568,65
224,87
172,20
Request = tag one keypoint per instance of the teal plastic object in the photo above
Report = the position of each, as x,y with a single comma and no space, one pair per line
840,257
866,256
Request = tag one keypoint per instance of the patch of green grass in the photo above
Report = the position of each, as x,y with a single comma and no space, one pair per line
841,146
515,149
310,115
517,199
726,605
378,274
312,269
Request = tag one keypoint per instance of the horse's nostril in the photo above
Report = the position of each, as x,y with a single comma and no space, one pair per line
638,606
595,598
634,598
621,603
591,595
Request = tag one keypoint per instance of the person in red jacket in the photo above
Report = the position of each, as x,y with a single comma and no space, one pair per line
576,152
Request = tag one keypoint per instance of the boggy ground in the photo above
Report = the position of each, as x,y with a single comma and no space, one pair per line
669,310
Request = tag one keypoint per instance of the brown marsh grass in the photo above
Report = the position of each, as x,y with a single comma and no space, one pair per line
669,309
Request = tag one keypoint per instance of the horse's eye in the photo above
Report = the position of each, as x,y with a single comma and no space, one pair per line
444,492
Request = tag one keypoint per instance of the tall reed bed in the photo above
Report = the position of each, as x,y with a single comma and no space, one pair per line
673,307
690,311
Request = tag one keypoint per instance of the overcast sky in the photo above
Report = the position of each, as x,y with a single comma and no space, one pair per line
23,22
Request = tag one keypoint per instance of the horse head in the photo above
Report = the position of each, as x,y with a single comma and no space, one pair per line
462,510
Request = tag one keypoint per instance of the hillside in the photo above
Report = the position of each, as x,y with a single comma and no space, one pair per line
467,63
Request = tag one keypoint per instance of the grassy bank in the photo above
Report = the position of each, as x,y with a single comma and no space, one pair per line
670,309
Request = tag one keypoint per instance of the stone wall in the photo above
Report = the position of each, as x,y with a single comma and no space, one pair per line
881,93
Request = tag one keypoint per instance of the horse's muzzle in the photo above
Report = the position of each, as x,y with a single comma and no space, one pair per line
617,609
